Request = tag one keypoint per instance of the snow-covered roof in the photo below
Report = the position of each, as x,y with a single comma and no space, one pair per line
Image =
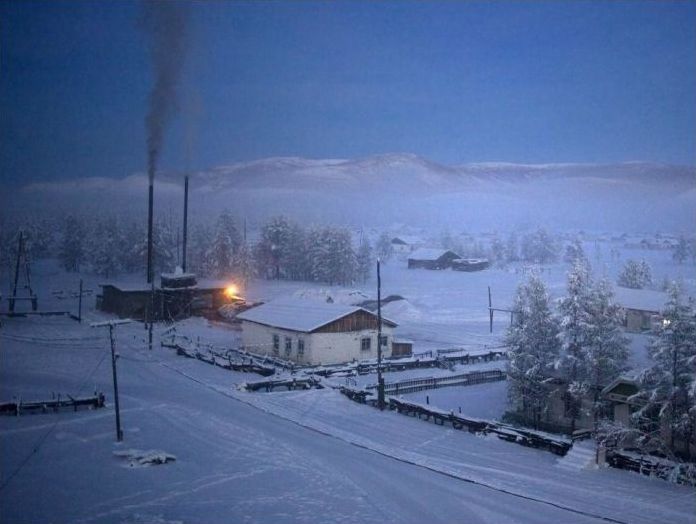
301,315
427,253
641,299
406,239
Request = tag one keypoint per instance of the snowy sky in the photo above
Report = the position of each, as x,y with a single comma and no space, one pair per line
454,82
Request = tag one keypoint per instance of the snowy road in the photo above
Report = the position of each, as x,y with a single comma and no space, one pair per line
302,457
234,464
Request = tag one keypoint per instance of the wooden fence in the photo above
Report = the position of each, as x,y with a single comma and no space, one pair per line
55,404
421,384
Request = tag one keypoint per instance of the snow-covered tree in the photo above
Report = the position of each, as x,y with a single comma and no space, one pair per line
274,248
574,252
364,260
533,349
539,247
72,248
332,257
199,244
244,263
130,246
383,248
103,247
224,246
575,311
606,350
635,275
512,249
681,251
668,388
497,252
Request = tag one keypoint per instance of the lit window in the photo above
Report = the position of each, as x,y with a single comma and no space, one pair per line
288,345
300,347
365,343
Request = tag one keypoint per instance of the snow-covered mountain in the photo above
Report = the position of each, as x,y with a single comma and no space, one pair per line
412,173
408,188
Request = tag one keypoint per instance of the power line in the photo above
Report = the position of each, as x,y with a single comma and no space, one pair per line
42,440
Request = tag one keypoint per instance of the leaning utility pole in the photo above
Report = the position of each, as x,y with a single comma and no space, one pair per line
380,379
111,324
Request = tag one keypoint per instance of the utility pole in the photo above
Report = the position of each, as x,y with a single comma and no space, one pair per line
79,304
380,379
183,250
151,315
111,324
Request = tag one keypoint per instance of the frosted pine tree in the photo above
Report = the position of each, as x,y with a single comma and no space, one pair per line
364,260
574,309
635,275
681,251
668,388
198,248
512,248
383,248
497,252
274,248
103,247
343,259
533,349
606,351
295,253
130,242
223,247
72,247
244,264
574,252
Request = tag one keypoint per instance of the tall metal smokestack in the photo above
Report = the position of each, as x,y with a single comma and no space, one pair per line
183,257
150,203
166,26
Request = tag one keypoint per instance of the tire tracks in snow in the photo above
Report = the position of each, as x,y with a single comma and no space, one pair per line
433,469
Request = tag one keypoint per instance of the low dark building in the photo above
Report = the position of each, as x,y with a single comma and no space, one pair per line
470,264
179,296
427,258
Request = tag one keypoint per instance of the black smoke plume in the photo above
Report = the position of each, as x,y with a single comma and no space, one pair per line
166,24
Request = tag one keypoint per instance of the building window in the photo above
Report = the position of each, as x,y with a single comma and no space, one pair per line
300,347
276,344
288,345
385,340
365,343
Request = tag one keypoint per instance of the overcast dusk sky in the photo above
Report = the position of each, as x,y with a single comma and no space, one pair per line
455,82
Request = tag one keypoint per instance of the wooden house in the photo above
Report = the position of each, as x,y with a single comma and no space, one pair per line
428,258
313,332
404,244
641,307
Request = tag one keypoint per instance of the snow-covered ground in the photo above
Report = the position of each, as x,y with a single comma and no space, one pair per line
302,456
486,401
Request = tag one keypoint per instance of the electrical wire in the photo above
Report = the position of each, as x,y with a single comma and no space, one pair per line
42,440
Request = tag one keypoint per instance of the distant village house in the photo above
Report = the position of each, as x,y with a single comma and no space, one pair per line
428,258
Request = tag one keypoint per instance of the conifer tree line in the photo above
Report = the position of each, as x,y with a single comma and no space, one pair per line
579,347
110,246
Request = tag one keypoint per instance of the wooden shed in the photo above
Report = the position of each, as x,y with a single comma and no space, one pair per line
428,258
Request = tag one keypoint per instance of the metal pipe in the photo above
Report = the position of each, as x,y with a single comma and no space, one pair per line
150,270
183,254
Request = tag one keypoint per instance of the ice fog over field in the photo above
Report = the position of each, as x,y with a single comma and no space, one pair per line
402,188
